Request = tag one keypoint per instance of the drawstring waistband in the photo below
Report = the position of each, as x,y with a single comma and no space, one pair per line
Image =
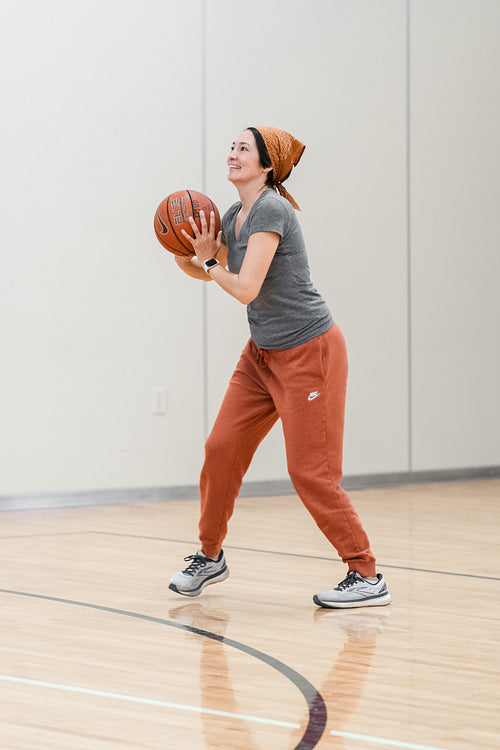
262,357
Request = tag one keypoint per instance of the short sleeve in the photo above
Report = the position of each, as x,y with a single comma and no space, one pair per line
270,216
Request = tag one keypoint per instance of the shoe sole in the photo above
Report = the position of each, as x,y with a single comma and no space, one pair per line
380,601
208,582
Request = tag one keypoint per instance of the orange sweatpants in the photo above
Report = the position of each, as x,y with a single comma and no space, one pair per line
306,388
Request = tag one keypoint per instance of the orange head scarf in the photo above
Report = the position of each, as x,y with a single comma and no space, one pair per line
285,152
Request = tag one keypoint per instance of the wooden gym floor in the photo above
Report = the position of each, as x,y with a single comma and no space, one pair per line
97,653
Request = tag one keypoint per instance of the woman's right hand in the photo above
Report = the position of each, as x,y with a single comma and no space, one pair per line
205,243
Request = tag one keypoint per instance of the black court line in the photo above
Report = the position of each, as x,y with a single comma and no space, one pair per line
298,555
315,703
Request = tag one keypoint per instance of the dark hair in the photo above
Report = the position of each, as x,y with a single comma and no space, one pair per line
265,159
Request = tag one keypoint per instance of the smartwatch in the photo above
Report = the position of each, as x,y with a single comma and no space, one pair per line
210,263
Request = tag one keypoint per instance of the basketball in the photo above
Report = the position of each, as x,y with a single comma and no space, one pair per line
173,214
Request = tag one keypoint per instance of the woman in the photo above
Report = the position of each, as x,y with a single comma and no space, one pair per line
294,367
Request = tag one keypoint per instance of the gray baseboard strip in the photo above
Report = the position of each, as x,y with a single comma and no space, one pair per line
32,501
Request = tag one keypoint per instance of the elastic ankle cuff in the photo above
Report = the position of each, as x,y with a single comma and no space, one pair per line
368,572
214,558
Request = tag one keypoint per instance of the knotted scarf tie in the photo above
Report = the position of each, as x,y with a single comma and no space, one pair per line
285,152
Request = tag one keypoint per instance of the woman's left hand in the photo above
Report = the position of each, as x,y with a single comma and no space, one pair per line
205,244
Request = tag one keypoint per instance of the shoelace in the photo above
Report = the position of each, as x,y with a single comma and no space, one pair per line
198,562
352,578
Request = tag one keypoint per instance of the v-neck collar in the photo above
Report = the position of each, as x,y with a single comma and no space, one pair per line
236,236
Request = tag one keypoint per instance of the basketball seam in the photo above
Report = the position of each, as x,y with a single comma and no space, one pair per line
192,204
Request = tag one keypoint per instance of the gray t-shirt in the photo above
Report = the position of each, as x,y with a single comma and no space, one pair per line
288,311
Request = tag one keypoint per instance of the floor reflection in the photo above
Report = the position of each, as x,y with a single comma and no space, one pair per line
341,690
349,668
217,693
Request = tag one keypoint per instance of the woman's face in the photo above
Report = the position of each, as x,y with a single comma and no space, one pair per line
244,160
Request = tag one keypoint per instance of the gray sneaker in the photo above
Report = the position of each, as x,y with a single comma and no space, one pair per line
355,591
201,572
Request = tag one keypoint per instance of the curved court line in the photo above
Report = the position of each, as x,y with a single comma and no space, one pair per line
315,703
147,701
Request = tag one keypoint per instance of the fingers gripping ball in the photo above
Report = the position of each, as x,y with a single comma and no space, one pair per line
173,214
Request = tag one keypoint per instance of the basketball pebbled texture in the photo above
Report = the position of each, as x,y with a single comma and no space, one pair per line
172,215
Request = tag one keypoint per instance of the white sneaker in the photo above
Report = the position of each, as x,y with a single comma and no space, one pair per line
201,572
355,591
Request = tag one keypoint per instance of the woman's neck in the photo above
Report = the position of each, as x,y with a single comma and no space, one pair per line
249,194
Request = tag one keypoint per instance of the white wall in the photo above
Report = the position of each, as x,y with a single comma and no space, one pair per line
105,113
455,191
101,116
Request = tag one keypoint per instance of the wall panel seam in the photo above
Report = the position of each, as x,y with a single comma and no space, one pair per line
203,135
408,236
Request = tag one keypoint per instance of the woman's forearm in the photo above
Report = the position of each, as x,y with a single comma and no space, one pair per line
233,284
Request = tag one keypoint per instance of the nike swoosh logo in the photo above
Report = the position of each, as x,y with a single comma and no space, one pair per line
313,395
163,226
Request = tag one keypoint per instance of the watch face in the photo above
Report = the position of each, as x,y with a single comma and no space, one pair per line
211,262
